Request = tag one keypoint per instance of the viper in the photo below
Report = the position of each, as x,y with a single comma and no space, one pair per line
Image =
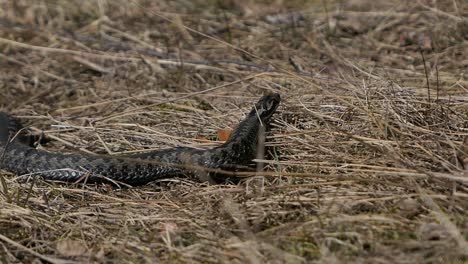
207,165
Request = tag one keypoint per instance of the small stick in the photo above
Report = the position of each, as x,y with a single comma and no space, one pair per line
427,77
437,76
32,252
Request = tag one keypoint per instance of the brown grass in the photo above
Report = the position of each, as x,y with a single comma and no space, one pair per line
366,160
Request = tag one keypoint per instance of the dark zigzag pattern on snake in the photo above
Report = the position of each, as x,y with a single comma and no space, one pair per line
241,147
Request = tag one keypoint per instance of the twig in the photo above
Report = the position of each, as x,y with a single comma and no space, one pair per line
427,77
32,252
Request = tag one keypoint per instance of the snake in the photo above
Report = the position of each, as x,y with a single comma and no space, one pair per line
20,157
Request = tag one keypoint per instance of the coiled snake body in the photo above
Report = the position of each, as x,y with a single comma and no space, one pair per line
239,150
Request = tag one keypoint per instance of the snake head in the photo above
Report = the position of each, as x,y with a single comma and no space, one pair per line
266,106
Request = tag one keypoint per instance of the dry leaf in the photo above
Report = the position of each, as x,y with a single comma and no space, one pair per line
71,248
223,134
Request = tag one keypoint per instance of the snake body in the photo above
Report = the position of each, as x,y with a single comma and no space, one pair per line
22,159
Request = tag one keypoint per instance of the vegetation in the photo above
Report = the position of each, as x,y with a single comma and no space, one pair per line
366,160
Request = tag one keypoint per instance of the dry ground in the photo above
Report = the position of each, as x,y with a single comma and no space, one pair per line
366,154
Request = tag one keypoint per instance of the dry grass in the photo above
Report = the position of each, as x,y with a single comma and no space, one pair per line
366,157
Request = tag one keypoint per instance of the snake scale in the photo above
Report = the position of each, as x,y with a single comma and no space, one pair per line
204,165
